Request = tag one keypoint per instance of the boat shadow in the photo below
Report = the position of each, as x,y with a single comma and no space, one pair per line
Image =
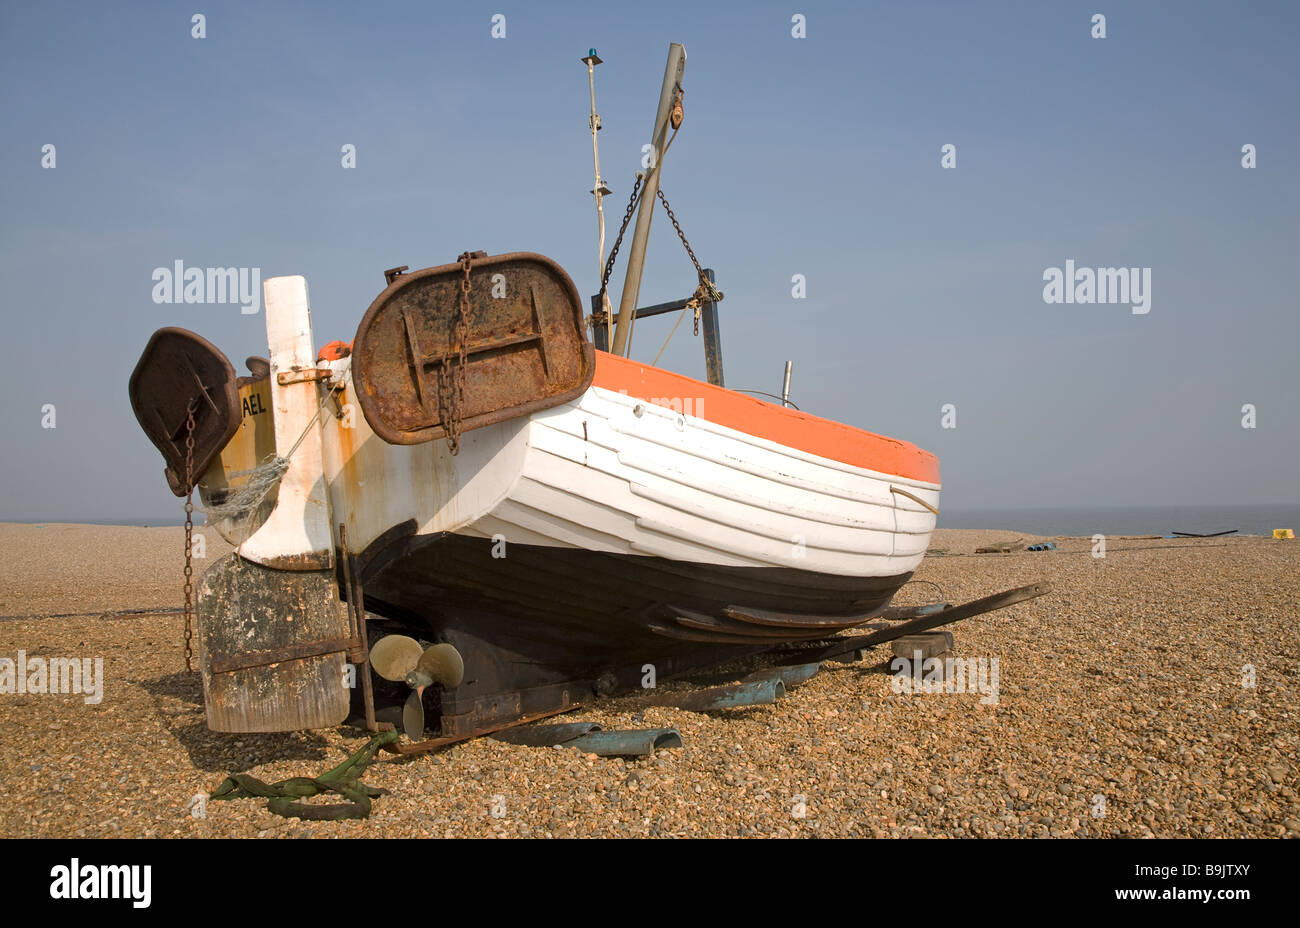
223,752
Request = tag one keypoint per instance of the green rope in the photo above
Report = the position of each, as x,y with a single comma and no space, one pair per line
343,779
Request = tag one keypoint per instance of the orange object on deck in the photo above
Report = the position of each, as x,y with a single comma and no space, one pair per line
335,351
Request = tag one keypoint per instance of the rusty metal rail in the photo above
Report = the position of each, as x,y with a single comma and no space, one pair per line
432,744
927,622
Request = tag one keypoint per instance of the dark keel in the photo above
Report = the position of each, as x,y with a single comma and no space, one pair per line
541,628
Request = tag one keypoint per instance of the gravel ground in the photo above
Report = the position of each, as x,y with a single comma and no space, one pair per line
1126,683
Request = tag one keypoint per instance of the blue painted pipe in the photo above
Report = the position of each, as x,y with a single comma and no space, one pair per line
789,674
627,743
545,736
761,692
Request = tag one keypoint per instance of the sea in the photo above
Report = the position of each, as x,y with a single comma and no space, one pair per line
1145,520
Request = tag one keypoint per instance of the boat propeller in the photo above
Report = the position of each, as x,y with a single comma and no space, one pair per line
402,658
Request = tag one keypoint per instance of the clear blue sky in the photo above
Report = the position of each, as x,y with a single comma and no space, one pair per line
818,156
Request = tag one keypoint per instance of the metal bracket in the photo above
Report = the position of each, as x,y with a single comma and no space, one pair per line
293,652
709,327
303,375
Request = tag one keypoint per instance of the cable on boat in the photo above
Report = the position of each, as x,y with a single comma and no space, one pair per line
914,498
765,393
680,317
942,598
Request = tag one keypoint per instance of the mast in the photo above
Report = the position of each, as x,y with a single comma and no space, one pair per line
600,190
636,257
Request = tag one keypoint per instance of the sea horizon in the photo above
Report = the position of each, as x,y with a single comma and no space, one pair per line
1072,521
1078,521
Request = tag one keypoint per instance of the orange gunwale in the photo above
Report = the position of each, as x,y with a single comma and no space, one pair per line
789,427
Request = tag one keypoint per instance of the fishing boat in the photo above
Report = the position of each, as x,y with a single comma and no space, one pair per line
482,510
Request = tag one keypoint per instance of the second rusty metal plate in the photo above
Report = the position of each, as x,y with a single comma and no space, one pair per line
527,347
177,369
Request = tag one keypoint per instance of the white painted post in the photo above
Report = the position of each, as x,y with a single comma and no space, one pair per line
298,535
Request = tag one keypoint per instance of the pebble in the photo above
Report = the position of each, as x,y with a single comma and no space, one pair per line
1090,716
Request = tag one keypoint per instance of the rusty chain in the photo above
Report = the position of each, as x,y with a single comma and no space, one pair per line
189,536
705,291
627,217
452,407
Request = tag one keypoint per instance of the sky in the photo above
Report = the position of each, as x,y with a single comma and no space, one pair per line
819,156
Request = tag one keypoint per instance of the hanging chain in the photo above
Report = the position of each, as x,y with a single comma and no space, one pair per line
189,536
680,234
462,337
451,401
627,217
705,292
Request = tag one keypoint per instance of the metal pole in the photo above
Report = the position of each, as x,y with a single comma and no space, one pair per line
785,387
600,190
636,256
600,333
712,337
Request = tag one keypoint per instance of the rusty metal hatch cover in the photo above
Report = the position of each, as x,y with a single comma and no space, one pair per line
177,367
527,346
